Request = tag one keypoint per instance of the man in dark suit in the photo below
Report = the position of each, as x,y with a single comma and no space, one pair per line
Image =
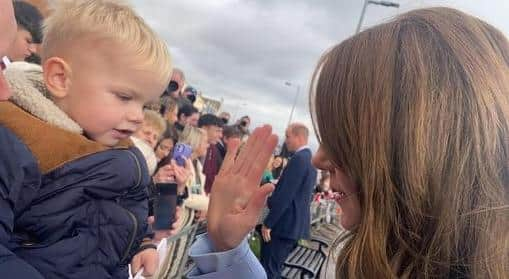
289,215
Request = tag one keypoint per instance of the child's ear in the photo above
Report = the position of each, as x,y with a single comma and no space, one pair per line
57,76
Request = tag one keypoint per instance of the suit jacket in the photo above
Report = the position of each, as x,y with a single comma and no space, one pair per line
289,215
222,151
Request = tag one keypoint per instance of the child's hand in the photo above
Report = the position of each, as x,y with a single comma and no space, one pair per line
147,259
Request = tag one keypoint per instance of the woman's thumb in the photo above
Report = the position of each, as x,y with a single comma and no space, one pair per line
258,200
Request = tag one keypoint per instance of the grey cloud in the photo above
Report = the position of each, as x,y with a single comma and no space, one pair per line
244,51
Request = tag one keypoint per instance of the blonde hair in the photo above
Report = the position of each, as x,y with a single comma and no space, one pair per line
416,112
192,136
74,20
155,120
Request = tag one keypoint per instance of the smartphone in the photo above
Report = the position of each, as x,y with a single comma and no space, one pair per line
165,206
181,152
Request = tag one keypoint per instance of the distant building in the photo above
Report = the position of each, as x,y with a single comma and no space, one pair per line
207,104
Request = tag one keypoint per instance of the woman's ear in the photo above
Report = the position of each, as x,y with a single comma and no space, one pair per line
57,76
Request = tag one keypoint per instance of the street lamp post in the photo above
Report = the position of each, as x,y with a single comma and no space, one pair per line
366,3
294,101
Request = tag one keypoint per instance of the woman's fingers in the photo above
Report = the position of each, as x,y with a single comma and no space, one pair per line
243,156
257,202
231,152
251,149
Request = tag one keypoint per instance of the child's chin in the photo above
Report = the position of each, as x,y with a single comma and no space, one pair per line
108,142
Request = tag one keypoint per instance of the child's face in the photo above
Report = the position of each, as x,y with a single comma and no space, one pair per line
148,134
102,90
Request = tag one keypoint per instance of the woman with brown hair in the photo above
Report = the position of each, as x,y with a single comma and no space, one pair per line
413,120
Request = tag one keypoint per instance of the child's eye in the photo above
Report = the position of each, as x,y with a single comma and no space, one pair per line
124,97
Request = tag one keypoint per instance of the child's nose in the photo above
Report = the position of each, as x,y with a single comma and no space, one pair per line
135,115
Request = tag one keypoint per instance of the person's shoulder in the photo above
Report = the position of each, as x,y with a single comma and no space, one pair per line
121,167
14,153
122,155
10,143
303,155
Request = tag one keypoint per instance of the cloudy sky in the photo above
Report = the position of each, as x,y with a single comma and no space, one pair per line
244,51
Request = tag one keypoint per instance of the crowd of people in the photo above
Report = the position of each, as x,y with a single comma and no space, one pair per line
412,117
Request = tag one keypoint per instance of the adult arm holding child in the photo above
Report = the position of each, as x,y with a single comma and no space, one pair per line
19,183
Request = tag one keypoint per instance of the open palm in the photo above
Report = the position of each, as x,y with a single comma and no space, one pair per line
236,199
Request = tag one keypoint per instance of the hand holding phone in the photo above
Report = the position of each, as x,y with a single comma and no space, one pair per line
165,206
181,152
166,201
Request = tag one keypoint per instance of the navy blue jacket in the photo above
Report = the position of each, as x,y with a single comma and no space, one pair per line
289,205
82,218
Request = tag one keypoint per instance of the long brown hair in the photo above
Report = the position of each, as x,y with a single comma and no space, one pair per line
416,111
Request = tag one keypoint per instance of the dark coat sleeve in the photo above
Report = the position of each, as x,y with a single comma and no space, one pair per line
19,182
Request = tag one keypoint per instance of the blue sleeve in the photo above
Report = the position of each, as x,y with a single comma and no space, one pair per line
238,263
286,189
19,182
